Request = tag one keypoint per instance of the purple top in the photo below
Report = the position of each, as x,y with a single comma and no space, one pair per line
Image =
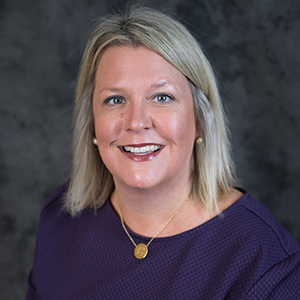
246,254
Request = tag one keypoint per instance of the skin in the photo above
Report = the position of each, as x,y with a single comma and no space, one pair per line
141,100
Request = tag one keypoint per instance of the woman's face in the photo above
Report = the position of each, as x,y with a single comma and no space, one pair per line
144,118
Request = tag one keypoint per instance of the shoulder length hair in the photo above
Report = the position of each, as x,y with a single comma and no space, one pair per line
91,183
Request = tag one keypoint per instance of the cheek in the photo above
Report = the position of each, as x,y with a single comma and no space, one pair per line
182,129
107,129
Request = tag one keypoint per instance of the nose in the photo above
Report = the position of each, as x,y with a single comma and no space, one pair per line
137,117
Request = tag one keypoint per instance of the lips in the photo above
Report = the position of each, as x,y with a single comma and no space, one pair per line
142,152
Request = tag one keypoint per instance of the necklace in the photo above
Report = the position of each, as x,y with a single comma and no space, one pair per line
141,250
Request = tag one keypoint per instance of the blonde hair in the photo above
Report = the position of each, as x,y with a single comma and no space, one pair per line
213,174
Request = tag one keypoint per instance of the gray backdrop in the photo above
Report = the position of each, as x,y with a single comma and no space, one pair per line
254,46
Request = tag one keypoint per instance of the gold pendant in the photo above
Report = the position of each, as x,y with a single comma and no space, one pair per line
140,251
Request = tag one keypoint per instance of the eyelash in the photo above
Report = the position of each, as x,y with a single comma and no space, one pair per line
109,99
170,98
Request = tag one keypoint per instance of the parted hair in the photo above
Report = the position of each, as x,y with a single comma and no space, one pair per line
91,183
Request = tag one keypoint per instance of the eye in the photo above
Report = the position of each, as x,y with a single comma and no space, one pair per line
114,100
163,98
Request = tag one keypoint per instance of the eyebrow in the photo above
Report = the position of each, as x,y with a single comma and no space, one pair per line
152,86
114,90
161,84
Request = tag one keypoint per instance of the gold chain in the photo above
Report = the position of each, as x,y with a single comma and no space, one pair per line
141,250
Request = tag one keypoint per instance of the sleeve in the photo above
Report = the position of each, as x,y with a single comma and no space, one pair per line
31,293
282,281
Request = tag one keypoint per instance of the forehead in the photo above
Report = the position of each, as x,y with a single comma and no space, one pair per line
119,61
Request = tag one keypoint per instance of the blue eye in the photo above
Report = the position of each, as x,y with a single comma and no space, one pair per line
163,98
114,100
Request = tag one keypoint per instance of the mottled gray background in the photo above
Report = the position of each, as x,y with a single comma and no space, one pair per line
254,46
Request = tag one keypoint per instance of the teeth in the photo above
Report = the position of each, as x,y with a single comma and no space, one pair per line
142,150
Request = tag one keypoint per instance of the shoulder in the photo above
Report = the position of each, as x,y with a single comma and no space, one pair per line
265,223
55,216
55,201
59,230
57,195
280,268
282,281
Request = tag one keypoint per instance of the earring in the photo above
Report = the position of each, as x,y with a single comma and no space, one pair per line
199,140
95,142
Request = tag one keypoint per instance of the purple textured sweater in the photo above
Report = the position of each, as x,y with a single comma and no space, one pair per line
246,254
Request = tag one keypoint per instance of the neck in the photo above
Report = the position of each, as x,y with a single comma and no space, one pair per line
146,211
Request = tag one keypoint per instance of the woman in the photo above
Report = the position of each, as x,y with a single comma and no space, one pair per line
151,210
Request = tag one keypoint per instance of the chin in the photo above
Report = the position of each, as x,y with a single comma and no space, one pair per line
141,182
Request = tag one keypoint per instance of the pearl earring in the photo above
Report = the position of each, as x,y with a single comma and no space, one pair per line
199,140
95,142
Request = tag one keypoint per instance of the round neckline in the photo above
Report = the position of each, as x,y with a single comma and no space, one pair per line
193,231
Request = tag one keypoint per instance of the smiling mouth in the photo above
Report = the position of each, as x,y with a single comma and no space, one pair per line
142,150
